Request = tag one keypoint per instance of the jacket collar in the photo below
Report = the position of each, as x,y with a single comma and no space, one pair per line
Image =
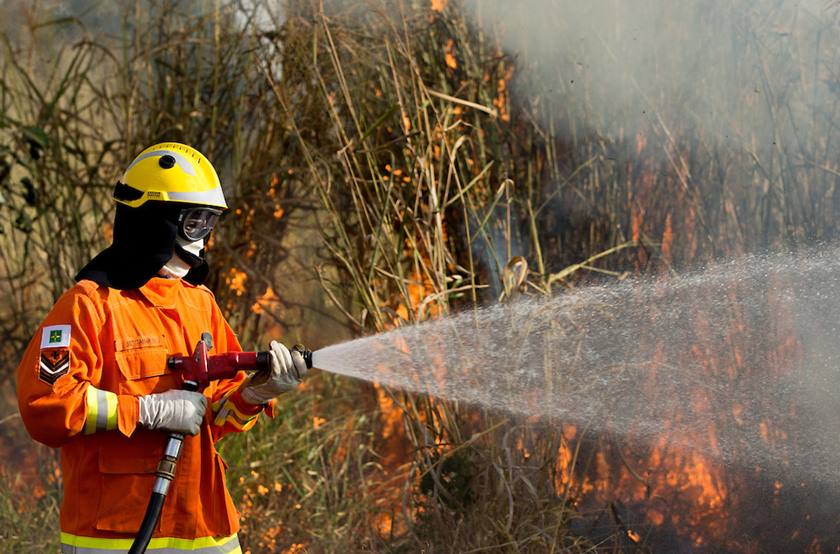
163,292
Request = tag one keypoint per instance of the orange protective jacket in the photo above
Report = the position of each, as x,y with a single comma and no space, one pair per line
77,385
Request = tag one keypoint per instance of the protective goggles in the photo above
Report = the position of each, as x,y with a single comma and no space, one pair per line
196,223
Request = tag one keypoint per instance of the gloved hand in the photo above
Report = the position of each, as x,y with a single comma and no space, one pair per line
287,371
181,411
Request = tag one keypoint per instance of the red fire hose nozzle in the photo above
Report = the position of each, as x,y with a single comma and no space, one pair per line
201,367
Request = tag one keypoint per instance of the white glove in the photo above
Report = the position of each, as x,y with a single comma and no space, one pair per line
181,411
287,371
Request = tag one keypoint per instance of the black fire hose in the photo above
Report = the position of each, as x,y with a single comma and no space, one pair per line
164,475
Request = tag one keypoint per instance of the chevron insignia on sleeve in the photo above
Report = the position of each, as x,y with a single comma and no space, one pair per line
55,362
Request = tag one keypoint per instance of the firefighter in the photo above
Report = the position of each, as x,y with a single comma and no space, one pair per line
94,381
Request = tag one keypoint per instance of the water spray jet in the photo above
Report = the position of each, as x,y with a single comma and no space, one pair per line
645,359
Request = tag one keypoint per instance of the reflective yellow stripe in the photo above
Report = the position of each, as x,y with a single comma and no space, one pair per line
90,419
220,410
227,412
240,424
159,545
244,418
111,421
217,405
101,410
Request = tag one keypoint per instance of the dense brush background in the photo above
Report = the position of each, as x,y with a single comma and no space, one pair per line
391,161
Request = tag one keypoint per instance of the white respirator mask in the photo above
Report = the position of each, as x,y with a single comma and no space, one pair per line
176,267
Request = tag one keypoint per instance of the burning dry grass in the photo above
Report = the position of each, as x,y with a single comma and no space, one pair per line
418,222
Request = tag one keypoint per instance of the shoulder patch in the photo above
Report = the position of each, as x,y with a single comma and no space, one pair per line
54,363
55,336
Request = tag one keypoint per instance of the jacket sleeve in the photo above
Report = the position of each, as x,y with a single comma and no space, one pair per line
231,413
56,397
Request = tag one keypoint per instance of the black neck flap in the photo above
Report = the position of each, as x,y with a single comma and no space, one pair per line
144,240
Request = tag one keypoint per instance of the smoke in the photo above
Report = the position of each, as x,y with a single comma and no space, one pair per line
753,75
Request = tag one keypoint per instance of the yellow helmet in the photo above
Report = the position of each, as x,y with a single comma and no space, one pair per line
170,172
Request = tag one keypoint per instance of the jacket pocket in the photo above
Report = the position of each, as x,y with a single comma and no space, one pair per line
126,480
141,363
139,359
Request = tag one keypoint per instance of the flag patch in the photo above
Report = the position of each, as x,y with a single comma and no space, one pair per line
54,363
55,336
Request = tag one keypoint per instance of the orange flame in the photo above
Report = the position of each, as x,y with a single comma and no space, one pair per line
235,280
449,55
267,301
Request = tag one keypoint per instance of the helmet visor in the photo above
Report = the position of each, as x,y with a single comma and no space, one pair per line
196,223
